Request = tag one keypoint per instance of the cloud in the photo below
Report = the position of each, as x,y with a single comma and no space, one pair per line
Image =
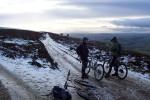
115,8
27,6
139,22
76,15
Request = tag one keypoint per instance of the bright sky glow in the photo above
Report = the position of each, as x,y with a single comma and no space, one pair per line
96,16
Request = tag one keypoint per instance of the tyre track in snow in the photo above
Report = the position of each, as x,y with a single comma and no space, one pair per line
15,86
63,59
128,89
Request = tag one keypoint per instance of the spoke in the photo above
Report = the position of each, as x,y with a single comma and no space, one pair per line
122,71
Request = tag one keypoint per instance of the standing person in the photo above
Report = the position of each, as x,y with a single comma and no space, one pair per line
116,52
82,51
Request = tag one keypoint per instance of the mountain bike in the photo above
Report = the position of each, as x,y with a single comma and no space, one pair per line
96,67
122,67
59,93
83,88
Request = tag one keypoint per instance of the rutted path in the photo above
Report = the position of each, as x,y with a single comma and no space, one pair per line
132,88
15,87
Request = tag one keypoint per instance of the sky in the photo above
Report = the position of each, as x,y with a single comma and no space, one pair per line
77,16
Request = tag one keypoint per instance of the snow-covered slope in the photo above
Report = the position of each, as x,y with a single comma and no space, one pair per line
135,87
39,81
36,81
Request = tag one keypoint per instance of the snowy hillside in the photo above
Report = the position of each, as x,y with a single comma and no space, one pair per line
63,56
29,75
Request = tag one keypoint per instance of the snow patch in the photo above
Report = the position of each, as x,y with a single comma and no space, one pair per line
18,41
40,80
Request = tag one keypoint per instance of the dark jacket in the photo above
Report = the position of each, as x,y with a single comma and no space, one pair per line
116,49
82,51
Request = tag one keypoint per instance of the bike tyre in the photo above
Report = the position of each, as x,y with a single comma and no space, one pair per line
84,83
126,72
102,72
83,95
87,70
107,67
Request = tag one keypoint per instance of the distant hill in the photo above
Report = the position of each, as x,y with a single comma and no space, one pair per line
17,33
136,42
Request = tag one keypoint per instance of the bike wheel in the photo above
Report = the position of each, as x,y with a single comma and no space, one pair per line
83,94
122,71
106,67
99,72
86,95
84,83
88,69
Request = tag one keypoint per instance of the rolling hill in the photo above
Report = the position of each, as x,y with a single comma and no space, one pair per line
135,42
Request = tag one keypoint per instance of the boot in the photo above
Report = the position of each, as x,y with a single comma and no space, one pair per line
84,76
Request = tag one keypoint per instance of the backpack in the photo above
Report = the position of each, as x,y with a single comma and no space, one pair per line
60,94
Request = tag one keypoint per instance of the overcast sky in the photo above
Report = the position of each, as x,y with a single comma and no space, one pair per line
88,16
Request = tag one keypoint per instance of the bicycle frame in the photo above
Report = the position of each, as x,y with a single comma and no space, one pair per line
106,59
96,67
92,63
118,61
80,91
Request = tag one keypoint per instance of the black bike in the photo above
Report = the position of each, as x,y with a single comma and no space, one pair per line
122,67
96,67
83,88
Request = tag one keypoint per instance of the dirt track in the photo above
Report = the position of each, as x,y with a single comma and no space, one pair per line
132,88
129,89
4,95
16,88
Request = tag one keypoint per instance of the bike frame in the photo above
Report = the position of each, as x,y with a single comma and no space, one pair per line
92,63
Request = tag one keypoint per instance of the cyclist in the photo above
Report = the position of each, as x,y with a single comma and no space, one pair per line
116,52
83,52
